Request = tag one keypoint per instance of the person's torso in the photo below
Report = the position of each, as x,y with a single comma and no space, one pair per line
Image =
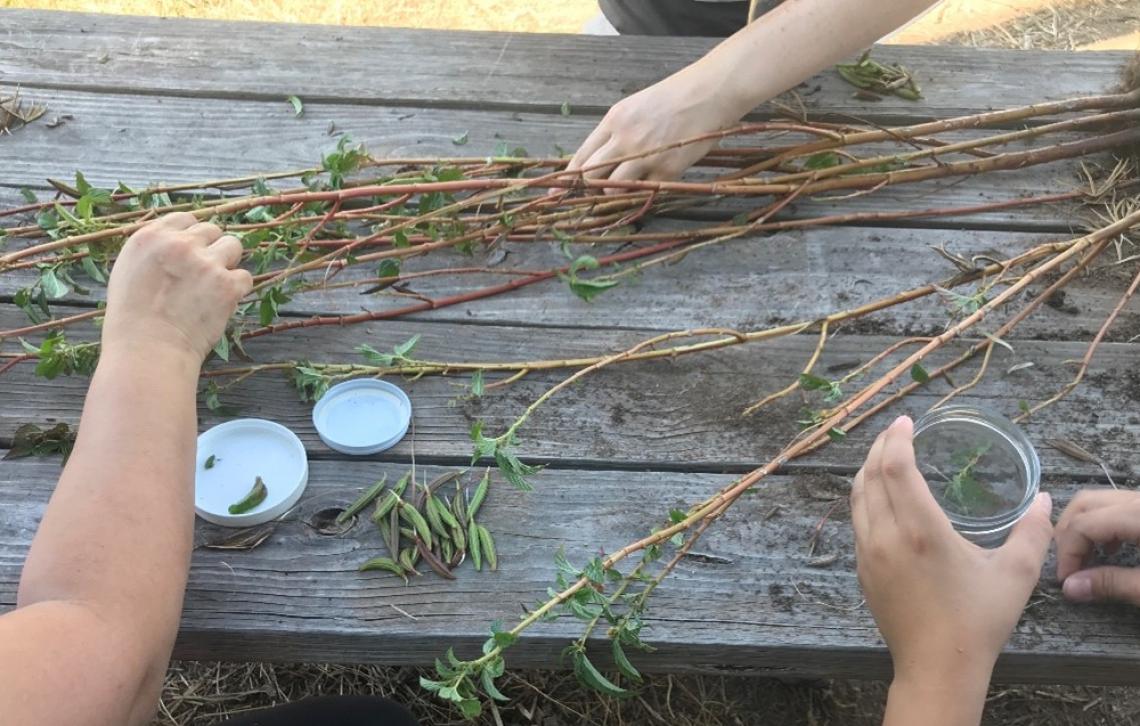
712,18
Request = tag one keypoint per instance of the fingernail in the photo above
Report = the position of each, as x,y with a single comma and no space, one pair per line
901,420
1078,587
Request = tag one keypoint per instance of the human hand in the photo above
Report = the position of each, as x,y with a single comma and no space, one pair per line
174,286
1106,517
944,605
684,105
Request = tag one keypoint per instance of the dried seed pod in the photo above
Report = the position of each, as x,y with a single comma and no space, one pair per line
384,563
250,501
474,546
412,516
480,495
409,556
385,505
433,562
488,546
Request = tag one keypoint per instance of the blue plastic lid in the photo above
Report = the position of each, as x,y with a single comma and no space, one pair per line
364,416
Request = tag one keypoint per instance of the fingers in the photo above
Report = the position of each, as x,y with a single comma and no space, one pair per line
1028,542
913,504
878,505
243,281
598,138
204,233
634,170
1103,583
176,220
226,250
859,521
1094,519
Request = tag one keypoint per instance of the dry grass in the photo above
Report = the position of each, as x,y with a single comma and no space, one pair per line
563,16
1065,26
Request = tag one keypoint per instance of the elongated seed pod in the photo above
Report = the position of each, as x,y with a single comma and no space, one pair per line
385,505
459,538
362,501
459,506
386,535
444,512
409,556
251,500
479,495
414,518
433,562
407,533
474,546
386,564
402,484
431,512
488,546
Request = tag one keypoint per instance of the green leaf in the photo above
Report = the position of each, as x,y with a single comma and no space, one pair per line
388,268
462,139
251,500
595,571
677,515
470,708
919,374
93,270
622,662
406,347
31,440
52,286
591,677
298,106
836,434
28,195
477,383
809,382
375,357
489,686
1023,406
822,160
222,349
565,108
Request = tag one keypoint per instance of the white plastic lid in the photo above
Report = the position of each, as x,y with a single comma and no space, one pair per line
243,450
364,416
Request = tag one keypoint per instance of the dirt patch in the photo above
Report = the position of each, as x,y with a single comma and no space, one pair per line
1066,26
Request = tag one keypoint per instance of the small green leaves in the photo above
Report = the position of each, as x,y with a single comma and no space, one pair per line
298,106
30,440
309,382
512,469
211,461
344,161
28,195
833,391
399,353
836,434
622,662
919,374
566,111
251,500
822,160
589,676
271,298
880,78
51,284
477,383
1023,405
58,357
584,288
462,139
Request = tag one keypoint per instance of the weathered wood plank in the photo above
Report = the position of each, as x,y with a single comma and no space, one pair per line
746,284
390,66
758,608
681,413
144,140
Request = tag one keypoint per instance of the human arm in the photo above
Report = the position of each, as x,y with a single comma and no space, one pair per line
101,591
944,606
1105,517
771,55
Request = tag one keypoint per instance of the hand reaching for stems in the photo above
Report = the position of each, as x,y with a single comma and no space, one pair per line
1104,517
944,606
174,285
685,105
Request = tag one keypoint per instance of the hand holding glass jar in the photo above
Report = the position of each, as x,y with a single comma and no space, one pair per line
944,605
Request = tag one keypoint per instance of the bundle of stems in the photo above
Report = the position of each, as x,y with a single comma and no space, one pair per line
370,217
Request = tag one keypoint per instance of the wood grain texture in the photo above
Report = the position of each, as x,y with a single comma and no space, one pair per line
465,69
748,284
147,140
667,414
758,607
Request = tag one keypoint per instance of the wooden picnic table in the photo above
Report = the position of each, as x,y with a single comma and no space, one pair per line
142,100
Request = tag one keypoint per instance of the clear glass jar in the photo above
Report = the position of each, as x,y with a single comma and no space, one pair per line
981,468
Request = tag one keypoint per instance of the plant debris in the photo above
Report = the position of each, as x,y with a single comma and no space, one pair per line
879,79
14,112
31,440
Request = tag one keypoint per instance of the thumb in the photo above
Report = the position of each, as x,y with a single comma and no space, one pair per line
1030,538
1103,583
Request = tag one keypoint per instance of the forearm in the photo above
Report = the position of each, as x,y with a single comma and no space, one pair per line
938,696
797,40
116,536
